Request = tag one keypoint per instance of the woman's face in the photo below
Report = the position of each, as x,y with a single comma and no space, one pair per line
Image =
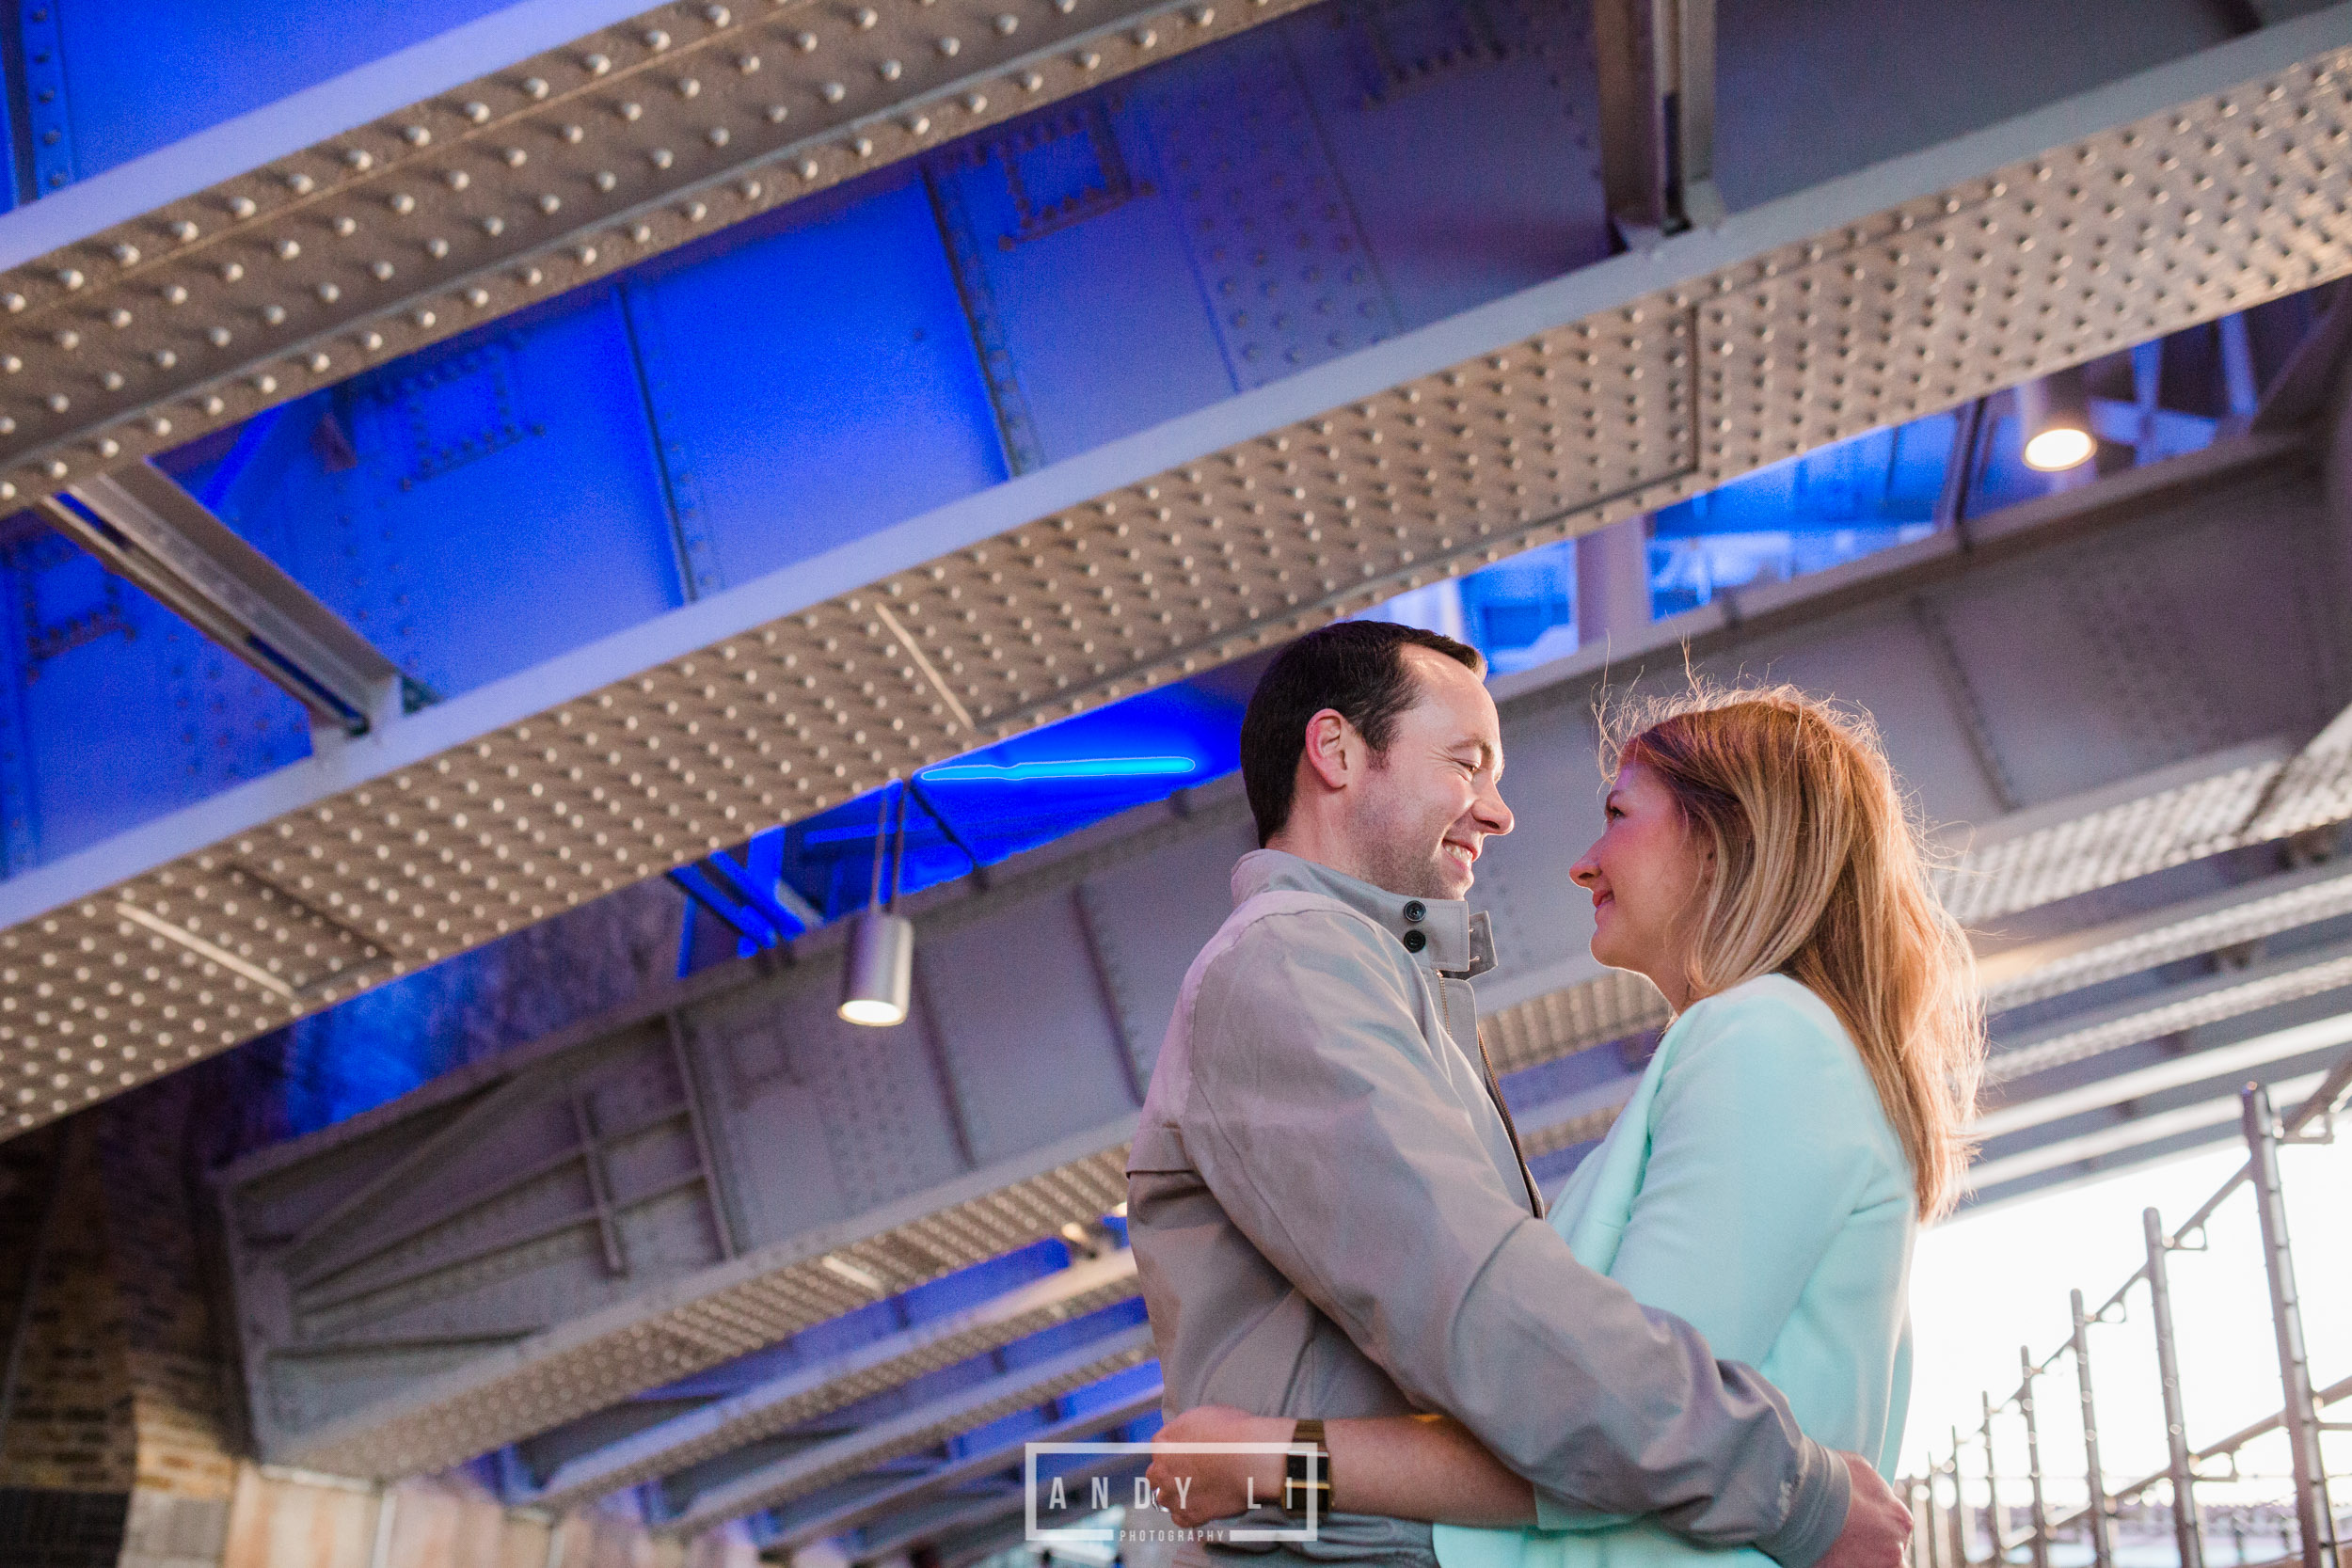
1644,874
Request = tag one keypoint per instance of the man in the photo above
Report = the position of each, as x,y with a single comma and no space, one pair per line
1327,1203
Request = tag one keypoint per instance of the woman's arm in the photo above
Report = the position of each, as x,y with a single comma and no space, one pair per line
1405,1466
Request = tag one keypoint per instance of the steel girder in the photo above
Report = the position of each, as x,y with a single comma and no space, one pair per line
397,1320
1921,282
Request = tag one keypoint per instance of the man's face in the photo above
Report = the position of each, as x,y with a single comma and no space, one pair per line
1430,802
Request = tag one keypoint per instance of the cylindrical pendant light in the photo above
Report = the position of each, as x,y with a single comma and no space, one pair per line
2056,414
878,976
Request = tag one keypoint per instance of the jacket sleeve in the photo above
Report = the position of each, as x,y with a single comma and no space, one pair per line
1320,1121
1750,1175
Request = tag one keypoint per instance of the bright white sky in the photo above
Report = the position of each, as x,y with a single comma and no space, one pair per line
1983,1284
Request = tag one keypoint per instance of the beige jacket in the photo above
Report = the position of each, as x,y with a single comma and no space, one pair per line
1330,1218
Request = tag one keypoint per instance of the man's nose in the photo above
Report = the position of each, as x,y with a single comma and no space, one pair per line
1493,813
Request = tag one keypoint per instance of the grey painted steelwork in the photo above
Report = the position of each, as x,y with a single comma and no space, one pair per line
1739,343
2038,1517
404,1310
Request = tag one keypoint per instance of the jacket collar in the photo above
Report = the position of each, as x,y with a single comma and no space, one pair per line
1454,940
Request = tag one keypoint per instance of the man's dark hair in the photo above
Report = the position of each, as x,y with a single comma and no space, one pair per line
1355,668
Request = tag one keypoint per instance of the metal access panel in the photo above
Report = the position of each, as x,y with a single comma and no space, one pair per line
708,1172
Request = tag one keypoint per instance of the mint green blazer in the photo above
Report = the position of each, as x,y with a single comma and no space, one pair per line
1752,1187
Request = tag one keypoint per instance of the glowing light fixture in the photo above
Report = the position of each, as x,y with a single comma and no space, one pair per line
2056,414
1074,768
878,976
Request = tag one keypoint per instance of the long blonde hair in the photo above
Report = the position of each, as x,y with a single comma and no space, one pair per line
1821,874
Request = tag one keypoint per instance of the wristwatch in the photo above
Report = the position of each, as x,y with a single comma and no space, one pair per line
1307,1478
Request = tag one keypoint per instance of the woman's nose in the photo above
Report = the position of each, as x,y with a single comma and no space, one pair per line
1585,872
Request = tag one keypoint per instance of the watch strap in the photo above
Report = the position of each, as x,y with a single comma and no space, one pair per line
1307,1478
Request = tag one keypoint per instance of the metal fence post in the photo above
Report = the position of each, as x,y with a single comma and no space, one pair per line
2095,1512
1931,1522
2314,1518
1959,1520
2186,1529
2039,1517
1994,1524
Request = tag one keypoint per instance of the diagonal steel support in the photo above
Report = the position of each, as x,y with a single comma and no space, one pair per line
1658,116
144,526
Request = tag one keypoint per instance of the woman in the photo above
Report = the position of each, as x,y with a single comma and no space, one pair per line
1799,1119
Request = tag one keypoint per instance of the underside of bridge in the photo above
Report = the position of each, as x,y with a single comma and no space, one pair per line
522,511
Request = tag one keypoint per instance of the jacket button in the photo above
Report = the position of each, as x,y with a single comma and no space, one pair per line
1414,908
1416,940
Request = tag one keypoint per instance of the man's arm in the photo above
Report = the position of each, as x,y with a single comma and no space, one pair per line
1317,1120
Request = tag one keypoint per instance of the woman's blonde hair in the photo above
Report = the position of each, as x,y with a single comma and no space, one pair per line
1821,875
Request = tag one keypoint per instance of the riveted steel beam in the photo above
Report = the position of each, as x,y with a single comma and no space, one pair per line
839,1459
887,1363
893,1502
1555,411
2225,1065
427,219
1991,1175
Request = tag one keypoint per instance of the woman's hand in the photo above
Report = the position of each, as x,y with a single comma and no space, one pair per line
1199,1488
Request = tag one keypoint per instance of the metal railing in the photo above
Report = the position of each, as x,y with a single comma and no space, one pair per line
1939,1499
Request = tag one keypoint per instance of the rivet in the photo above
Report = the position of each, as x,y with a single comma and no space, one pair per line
456,179
642,233
534,86
515,157
833,92
10,364
231,271
585,254
550,203
360,159
401,203
382,270
717,15
750,190
371,342
69,277
220,336
716,135
477,296
165,358
778,113
889,70
346,226
66,339
605,179
629,110
478,112
112,381
656,40
976,102
300,183
288,249
696,211
531,277
13,300
804,43
865,16
808,168
242,207
1145,37
1204,15
689,86
320,364
436,247
214,406
56,469
328,293
661,158
422,318
126,255
863,147
417,136
747,64
494,225
1089,59
265,384
274,314
1032,80
158,425
574,134
594,65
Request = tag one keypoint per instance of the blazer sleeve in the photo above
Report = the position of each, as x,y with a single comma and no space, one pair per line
1319,1121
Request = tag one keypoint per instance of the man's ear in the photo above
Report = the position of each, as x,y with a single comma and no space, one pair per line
1332,748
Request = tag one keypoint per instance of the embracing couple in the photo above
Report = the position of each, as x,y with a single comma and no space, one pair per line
1702,1344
